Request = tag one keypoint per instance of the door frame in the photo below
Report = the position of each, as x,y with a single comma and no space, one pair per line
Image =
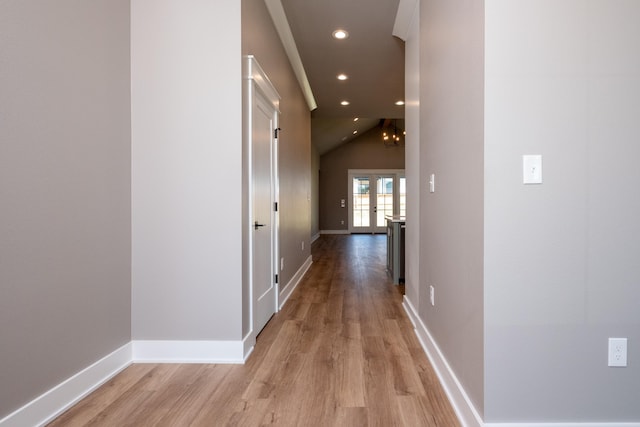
259,83
372,174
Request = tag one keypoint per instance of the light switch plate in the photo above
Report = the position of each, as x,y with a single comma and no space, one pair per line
532,169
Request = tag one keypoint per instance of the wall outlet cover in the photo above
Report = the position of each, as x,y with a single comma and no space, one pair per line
618,352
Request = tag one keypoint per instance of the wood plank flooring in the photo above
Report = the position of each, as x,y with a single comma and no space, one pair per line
342,352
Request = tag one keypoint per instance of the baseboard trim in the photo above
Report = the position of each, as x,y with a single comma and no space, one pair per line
54,402
334,232
466,412
294,282
315,237
464,409
227,352
248,344
552,424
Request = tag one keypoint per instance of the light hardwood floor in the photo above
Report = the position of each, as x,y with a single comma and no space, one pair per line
342,352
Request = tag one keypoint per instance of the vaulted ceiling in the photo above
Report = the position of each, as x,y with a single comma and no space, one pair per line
371,57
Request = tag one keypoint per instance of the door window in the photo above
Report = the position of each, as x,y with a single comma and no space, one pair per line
360,202
374,195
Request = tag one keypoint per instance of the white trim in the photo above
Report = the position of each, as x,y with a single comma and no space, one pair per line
248,344
405,16
259,87
315,237
254,72
294,282
150,351
372,175
462,405
334,232
552,424
52,403
286,36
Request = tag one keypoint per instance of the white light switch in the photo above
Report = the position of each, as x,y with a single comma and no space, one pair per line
532,169
432,183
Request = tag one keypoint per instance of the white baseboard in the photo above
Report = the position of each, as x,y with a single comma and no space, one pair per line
248,344
54,402
466,412
315,237
334,232
151,351
551,424
293,283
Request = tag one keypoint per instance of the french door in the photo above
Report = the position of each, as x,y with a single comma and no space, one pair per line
373,196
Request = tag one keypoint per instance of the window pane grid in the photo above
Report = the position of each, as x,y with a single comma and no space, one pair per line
403,197
360,202
384,186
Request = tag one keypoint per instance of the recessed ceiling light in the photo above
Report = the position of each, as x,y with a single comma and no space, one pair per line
399,102
355,120
355,132
342,77
340,34
344,103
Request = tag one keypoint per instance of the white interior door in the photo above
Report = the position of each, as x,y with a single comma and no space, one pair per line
263,163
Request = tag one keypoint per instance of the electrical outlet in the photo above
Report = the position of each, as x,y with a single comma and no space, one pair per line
618,352
432,295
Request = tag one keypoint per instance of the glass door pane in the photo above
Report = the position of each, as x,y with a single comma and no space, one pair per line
384,199
403,197
375,195
360,202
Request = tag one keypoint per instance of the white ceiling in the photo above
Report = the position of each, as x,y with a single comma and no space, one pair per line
371,56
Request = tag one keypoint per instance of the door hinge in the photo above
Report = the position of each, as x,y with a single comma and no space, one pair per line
276,132
275,206
276,279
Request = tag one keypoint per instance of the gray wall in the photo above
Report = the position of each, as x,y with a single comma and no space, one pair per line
412,158
259,38
315,191
531,280
186,170
451,138
65,189
563,80
365,152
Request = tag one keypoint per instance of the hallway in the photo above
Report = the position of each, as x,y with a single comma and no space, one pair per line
342,352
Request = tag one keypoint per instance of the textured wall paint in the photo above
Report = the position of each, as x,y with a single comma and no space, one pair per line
365,152
187,170
65,296
561,258
451,229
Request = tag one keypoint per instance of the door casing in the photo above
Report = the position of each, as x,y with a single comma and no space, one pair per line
260,97
373,174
